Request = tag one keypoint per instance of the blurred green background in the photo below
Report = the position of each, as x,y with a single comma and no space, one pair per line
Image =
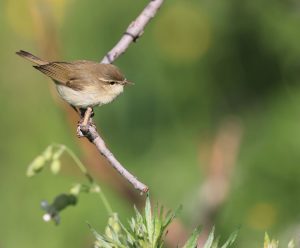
203,70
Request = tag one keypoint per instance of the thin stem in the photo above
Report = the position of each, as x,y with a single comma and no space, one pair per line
134,31
80,165
82,168
94,137
105,202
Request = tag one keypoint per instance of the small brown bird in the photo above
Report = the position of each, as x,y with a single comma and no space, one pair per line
82,83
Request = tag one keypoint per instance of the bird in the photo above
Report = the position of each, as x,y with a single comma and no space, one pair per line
82,83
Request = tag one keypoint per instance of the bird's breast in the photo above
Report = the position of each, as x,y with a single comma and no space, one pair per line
89,96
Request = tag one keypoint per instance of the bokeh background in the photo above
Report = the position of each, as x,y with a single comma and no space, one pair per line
211,123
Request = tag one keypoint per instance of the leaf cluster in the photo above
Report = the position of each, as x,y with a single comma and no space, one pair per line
272,243
148,230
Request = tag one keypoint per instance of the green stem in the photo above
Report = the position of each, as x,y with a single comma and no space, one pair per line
82,168
80,165
105,202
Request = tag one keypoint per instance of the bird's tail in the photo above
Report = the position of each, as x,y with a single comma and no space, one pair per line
31,58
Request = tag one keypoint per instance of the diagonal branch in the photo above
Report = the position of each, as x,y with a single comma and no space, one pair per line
90,132
133,32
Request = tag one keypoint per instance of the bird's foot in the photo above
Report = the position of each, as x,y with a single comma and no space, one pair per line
82,128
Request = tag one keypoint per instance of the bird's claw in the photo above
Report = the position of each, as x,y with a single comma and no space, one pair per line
83,129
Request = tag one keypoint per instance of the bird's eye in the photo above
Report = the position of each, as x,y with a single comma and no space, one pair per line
112,83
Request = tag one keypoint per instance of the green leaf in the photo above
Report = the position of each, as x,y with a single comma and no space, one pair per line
266,240
231,239
36,166
47,154
130,238
210,239
132,224
270,243
192,241
170,216
139,217
76,189
100,239
157,227
114,237
216,242
148,217
139,222
291,244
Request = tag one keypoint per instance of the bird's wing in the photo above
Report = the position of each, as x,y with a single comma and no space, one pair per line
58,71
64,73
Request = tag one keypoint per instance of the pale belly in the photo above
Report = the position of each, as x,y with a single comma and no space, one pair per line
88,97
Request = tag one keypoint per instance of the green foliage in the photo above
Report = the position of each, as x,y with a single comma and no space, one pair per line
213,242
272,243
192,241
148,230
59,203
52,156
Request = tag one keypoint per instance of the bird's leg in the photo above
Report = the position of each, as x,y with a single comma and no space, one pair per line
85,121
83,111
86,117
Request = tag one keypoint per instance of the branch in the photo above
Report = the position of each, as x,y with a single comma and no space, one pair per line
134,31
90,132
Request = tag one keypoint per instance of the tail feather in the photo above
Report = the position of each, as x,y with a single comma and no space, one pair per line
31,58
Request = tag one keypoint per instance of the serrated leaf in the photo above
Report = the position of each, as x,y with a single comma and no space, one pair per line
132,224
231,239
169,217
210,239
192,241
157,233
148,217
113,221
101,243
130,238
140,228
139,217
114,238
100,239
111,235
270,243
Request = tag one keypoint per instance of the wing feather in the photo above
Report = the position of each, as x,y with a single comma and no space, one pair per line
57,71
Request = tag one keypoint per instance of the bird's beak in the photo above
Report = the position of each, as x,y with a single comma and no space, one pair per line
126,82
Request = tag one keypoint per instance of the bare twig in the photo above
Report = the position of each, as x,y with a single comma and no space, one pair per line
90,132
133,32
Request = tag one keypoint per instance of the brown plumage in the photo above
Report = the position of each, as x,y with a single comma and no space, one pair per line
82,83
